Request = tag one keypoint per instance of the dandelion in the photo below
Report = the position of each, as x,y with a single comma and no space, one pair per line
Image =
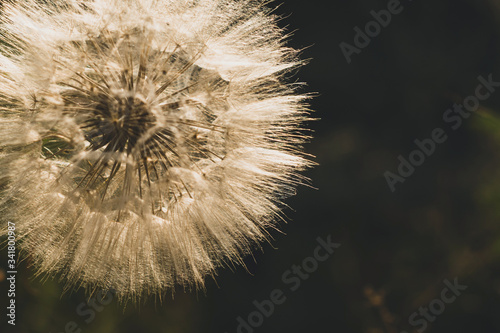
145,143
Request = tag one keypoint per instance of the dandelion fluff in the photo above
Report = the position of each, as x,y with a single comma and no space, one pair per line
145,143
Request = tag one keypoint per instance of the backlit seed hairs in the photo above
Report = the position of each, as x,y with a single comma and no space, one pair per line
144,143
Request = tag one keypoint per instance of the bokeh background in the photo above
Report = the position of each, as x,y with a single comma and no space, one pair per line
396,248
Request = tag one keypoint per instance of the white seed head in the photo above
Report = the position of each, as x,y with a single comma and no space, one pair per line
144,143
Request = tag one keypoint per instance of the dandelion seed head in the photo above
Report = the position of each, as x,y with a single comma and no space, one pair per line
145,143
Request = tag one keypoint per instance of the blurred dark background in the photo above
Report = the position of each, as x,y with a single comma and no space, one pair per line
398,247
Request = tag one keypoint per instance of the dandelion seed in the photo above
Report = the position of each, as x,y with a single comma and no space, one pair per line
145,143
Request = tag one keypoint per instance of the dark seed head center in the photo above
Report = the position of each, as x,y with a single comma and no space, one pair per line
117,123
